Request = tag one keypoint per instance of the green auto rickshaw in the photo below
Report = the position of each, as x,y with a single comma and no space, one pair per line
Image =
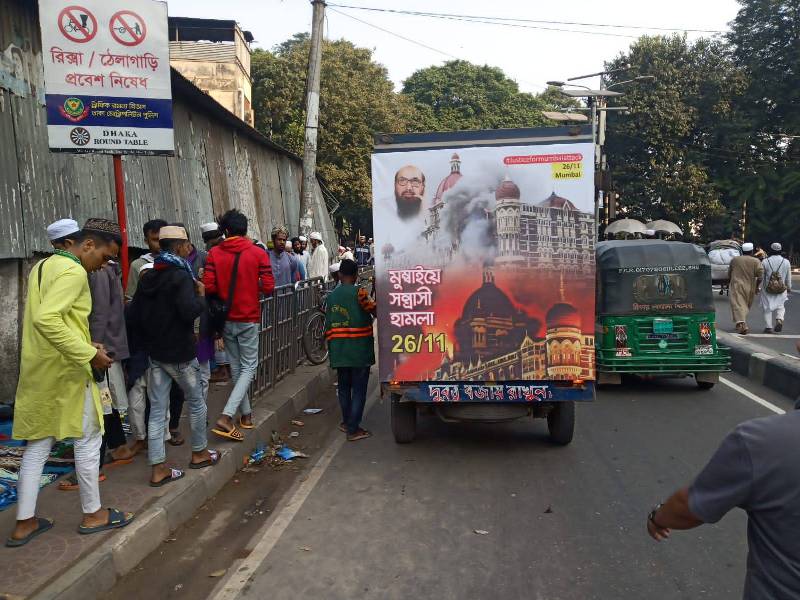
655,312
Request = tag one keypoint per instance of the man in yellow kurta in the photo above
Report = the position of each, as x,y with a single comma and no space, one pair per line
56,394
745,273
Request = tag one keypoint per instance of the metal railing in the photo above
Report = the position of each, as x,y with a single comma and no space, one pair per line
283,322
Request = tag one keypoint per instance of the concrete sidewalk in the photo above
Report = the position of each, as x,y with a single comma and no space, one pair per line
65,565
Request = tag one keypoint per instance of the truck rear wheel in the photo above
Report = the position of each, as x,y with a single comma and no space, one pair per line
561,422
404,420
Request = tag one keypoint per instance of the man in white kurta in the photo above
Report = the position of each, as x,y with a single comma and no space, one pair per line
771,303
318,263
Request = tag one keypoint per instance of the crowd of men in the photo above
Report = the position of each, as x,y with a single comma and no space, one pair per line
184,311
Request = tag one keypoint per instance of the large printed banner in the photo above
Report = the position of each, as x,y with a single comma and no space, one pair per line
485,264
107,76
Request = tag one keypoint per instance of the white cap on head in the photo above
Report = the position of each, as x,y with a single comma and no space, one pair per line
145,266
776,246
288,245
206,227
334,268
62,228
650,232
316,235
303,238
747,247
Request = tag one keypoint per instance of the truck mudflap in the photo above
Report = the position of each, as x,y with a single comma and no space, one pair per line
521,392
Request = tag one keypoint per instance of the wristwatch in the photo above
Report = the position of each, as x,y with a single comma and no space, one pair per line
652,516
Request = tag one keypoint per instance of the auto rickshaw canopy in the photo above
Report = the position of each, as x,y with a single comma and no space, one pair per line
644,277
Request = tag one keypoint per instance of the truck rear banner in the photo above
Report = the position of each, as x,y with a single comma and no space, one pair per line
485,258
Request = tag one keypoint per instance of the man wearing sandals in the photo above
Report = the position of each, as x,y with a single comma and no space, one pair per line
348,329
165,307
238,272
56,394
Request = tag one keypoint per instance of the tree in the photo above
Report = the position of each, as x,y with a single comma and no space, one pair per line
683,135
357,99
461,95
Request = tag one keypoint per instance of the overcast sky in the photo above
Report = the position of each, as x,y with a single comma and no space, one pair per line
529,56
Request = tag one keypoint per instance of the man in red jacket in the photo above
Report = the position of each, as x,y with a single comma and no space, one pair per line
253,278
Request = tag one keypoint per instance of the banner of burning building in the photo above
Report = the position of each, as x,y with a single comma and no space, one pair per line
485,262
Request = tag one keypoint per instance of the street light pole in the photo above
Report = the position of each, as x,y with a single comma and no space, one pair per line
306,216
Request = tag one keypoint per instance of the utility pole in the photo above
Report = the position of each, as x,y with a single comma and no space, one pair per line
312,119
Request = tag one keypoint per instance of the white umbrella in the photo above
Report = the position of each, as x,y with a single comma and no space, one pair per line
664,227
626,226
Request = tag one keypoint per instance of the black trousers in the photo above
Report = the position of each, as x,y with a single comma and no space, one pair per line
114,435
176,399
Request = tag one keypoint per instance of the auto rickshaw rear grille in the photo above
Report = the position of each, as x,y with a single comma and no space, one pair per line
680,328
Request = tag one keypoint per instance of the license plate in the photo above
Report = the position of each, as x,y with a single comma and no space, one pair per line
662,325
704,349
662,336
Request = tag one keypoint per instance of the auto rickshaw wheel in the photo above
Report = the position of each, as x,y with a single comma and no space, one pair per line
705,385
404,420
561,422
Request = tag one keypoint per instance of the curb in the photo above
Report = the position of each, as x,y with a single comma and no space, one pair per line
100,570
773,371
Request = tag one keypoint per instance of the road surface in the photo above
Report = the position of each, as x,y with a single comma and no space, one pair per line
378,520
782,343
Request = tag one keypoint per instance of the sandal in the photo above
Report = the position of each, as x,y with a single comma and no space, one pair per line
116,462
244,425
116,519
361,434
342,427
174,475
71,483
42,526
212,460
234,434
176,439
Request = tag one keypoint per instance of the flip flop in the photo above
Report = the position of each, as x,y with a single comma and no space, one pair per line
174,475
342,427
117,462
244,425
361,434
71,483
116,519
234,434
176,439
42,526
206,463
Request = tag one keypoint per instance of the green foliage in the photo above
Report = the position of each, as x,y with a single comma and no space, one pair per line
356,99
460,95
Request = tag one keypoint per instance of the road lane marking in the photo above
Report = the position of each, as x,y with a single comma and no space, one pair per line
752,396
271,532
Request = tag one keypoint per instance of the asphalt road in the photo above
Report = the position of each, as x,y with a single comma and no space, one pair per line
784,342
378,520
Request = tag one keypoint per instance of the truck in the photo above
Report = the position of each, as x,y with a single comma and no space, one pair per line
485,275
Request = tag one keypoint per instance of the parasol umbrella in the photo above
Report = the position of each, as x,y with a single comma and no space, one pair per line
626,226
664,227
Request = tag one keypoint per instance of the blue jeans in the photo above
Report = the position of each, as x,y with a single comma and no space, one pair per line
352,395
159,382
241,346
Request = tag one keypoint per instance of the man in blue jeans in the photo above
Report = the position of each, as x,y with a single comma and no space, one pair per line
351,346
164,310
239,282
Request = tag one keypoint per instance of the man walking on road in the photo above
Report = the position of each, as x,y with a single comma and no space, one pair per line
284,269
238,272
164,309
150,230
776,288
362,252
348,329
56,394
319,262
755,469
745,274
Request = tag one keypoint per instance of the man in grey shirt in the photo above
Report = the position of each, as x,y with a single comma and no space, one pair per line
756,468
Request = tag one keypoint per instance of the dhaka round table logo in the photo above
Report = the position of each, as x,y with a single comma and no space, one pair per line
74,109
79,136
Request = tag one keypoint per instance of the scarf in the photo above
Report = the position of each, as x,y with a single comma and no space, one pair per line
165,259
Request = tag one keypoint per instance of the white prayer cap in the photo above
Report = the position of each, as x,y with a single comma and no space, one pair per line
334,268
747,247
316,235
206,227
62,228
650,232
145,266
289,245
303,238
776,246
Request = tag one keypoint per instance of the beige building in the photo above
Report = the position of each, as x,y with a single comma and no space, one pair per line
215,56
